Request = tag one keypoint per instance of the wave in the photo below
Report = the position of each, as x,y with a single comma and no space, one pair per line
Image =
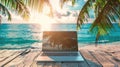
15,46
21,36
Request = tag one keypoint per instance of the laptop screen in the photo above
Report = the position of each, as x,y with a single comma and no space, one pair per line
60,41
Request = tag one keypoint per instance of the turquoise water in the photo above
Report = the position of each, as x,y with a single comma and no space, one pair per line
24,35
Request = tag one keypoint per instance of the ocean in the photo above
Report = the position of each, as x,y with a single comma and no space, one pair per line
21,36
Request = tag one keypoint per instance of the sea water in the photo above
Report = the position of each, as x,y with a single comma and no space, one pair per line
20,36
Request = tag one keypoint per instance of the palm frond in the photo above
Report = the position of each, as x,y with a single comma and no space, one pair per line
64,1
5,11
22,9
106,16
73,2
16,6
84,13
106,12
38,5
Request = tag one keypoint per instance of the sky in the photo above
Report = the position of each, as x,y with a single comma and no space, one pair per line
60,15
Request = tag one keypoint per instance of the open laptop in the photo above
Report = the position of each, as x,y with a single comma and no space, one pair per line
60,46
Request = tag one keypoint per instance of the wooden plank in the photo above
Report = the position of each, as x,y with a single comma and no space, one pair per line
24,60
2,51
2,54
20,65
112,49
105,62
29,59
5,55
16,61
110,58
34,64
10,58
116,56
90,59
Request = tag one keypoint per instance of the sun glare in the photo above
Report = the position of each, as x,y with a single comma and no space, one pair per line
44,18
44,21
46,9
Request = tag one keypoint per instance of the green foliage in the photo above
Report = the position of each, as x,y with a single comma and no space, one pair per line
84,13
64,1
20,7
73,2
15,6
106,12
38,5
4,11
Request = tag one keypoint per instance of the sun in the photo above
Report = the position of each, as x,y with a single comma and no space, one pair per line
44,21
42,18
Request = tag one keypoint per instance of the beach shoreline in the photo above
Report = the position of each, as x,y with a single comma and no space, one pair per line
80,46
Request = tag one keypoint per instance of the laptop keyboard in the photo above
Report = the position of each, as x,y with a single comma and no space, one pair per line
59,54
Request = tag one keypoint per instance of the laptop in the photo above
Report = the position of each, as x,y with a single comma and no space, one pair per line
60,46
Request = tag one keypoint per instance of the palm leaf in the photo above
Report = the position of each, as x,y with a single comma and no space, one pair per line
106,12
106,16
16,6
84,13
5,11
38,5
64,1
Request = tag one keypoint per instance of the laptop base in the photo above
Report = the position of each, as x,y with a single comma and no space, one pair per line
59,53
59,59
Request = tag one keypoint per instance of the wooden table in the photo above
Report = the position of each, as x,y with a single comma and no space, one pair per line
93,58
